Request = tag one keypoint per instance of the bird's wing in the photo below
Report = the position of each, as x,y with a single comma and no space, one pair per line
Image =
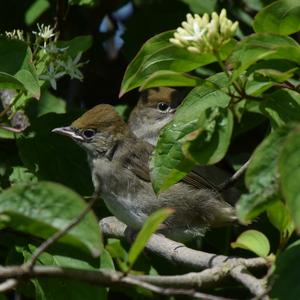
199,181
137,162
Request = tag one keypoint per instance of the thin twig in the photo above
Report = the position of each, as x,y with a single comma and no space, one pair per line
237,175
107,277
57,235
11,129
173,291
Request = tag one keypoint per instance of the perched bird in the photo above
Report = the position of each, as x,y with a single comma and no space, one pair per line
156,108
120,173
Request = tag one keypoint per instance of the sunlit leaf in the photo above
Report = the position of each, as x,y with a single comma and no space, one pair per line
280,217
159,54
260,46
254,241
170,78
42,208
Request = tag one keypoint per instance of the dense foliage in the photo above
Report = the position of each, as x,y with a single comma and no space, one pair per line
244,104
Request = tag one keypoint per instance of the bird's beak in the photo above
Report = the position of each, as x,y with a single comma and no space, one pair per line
68,131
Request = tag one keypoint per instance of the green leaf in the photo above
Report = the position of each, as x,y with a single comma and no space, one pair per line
289,169
275,75
16,62
265,74
201,7
43,208
48,103
286,275
21,174
52,157
262,177
150,226
254,241
282,107
170,78
35,11
5,134
209,144
281,17
168,163
76,45
10,82
84,2
29,82
260,46
118,253
280,217
159,54
60,289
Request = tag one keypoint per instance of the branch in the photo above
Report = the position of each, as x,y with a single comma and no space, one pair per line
8,284
256,286
106,277
231,180
58,234
218,267
178,253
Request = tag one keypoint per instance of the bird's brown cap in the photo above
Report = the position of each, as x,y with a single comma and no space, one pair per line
151,97
102,116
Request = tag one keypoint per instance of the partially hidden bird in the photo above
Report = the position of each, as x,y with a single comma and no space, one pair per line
120,172
156,107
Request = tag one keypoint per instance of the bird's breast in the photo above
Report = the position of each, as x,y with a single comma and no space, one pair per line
122,193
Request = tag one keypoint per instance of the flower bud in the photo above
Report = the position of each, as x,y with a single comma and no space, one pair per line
204,34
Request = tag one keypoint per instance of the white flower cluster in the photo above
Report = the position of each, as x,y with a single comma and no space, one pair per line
15,34
45,32
204,34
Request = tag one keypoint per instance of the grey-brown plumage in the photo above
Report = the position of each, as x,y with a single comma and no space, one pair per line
155,108
120,172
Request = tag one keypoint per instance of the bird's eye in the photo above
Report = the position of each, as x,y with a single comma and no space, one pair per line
88,133
163,106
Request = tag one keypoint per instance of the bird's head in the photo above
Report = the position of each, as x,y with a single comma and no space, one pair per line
155,109
97,130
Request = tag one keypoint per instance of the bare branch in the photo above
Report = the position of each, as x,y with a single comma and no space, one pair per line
218,267
58,234
106,277
178,253
230,181
173,291
8,284
256,286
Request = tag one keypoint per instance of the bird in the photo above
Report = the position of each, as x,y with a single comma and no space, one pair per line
121,176
156,107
